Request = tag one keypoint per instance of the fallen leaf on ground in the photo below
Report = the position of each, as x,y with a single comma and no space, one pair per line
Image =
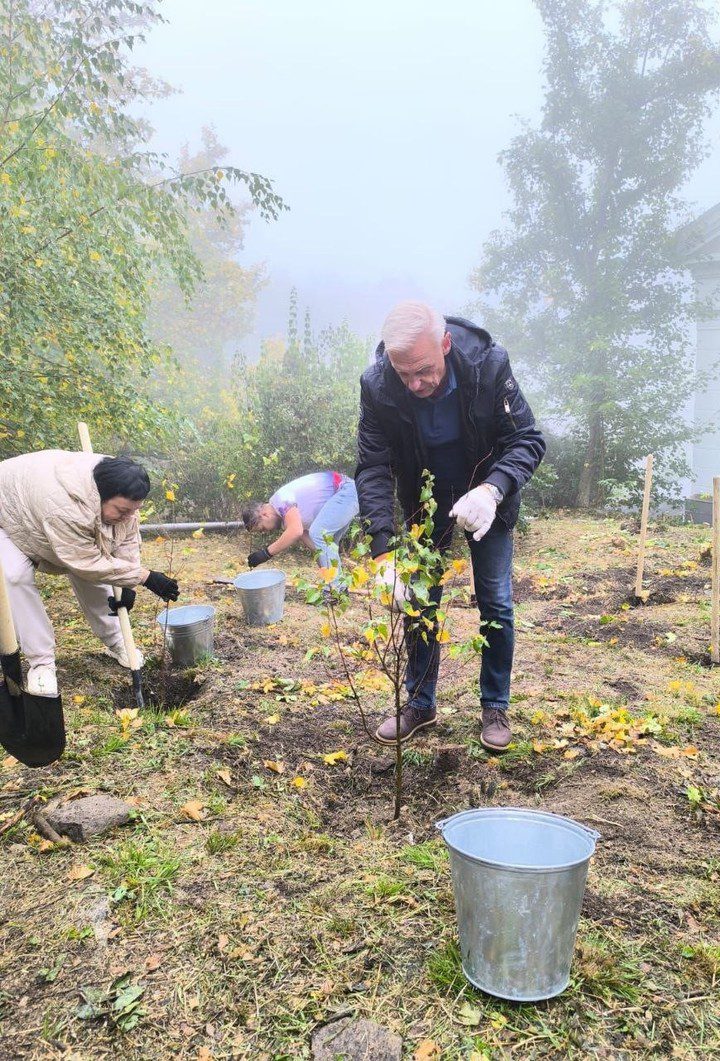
427,1050
272,720
469,1015
334,757
80,872
153,962
193,810
222,942
299,782
276,767
572,753
225,776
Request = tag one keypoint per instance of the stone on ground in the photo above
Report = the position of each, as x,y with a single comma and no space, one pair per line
82,818
356,1040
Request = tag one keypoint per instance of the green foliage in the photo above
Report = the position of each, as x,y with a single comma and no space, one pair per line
204,334
587,278
90,219
305,405
291,413
119,1004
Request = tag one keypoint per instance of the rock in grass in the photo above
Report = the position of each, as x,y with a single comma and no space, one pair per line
356,1040
82,818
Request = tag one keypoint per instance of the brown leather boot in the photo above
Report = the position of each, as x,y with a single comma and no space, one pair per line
496,733
412,719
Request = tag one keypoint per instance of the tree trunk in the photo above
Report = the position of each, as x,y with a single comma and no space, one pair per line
593,465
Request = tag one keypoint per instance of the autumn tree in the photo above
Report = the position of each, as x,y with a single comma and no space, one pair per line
585,282
205,331
90,218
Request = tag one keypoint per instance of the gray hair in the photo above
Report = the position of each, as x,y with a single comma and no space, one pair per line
406,322
251,514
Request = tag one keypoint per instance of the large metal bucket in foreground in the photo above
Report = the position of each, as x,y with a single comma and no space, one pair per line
262,594
518,878
190,632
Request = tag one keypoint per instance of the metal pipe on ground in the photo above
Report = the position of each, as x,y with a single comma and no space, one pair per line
187,528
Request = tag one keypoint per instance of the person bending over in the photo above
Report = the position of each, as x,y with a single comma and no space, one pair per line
308,509
74,514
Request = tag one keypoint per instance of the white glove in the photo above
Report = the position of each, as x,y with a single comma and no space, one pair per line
388,579
475,511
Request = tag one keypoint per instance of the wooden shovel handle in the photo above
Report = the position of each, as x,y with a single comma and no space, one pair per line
127,632
123,616
8,640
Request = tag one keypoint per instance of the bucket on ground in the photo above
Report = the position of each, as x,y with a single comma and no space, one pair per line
190,632
518,877
263,596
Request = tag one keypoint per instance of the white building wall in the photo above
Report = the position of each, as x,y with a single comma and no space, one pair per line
706,451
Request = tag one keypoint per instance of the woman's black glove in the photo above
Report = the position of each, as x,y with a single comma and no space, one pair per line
260,556
127,599
162,586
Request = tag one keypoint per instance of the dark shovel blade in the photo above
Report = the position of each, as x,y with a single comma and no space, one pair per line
137,688
32,728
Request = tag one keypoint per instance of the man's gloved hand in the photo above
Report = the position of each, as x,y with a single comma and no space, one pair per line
127,599
475,511
387,577
260,556
162,586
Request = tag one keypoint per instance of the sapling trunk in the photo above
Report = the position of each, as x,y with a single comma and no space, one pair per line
398,753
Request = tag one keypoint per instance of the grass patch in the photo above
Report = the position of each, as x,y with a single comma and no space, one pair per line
430,855
218,842
607,968
444,968
142,872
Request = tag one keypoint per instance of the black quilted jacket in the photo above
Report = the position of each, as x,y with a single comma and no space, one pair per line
503,445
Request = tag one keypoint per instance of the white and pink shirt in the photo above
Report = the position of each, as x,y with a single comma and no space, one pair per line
308,493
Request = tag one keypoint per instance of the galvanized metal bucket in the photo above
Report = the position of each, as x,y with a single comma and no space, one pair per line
263,596
518,877
190,632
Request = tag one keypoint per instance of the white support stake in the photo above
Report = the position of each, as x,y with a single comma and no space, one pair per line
643,525
715,591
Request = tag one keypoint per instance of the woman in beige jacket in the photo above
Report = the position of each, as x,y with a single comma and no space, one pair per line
74,514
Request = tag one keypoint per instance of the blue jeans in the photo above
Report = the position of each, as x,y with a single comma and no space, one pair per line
492,567
334,518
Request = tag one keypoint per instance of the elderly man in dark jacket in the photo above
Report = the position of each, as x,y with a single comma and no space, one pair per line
441,396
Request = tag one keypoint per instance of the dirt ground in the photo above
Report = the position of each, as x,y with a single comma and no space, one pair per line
261,888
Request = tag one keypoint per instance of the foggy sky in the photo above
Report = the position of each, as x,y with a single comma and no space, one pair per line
380,124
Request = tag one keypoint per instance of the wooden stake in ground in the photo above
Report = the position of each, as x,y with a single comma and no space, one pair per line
715,592
643,526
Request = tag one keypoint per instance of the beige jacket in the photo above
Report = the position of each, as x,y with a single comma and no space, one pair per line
50,509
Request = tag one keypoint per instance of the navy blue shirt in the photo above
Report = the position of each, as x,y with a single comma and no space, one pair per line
439,418
439,422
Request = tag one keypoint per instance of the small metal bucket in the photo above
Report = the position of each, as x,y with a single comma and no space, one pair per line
518,878
190,631
263,596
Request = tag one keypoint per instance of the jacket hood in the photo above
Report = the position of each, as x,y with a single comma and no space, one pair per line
74,474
